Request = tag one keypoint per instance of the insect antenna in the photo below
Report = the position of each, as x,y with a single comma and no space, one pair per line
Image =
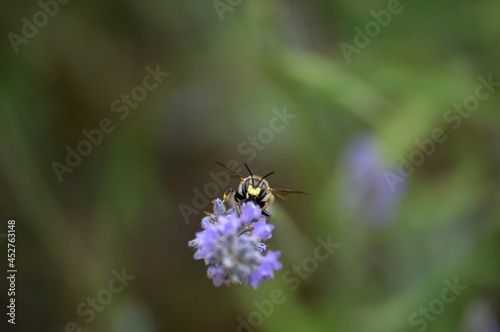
265,176
249,171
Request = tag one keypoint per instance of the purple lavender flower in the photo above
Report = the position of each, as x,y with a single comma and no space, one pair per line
231,244
367,191
480,317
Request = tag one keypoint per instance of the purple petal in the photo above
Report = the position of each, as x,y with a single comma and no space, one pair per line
249,212
262,230
216,274
268,265
229,224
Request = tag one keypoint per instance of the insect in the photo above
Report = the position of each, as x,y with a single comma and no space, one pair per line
256,189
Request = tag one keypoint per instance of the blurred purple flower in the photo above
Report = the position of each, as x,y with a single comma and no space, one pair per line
367,193
232,246
480,317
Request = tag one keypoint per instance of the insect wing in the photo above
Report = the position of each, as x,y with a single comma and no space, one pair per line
232,173
283,193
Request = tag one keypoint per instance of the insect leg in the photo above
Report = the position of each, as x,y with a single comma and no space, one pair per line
236,202
226,194
266,214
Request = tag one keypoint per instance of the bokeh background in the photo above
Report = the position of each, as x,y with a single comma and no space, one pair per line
356,121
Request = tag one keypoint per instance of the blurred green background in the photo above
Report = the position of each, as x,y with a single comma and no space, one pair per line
355,122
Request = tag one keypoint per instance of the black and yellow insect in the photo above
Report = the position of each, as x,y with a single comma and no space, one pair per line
255,189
